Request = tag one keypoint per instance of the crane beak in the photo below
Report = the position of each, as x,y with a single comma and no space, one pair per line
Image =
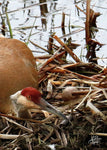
48,107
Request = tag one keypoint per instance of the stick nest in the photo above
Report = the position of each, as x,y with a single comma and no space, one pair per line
86,108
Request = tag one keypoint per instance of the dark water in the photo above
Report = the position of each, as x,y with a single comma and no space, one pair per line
47,18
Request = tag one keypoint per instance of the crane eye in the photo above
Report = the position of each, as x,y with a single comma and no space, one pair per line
29,97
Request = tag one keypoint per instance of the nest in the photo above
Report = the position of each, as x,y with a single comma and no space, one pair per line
85,106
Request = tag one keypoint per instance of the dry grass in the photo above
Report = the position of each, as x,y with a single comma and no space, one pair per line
86,110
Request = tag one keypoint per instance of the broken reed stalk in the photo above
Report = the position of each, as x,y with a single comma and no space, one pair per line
38,46
30,32
63,23
22,119
19,125
63,20
50,43
51,59
10,29
98,134
8,137
67,49
80,9
95,110
3,28
8,21
87,24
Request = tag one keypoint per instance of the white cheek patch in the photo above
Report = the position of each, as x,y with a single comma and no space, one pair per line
16,95
26,103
